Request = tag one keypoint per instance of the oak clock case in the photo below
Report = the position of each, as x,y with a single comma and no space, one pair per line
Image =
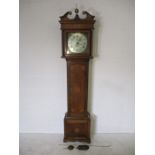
77,50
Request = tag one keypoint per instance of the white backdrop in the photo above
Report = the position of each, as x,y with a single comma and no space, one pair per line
43,95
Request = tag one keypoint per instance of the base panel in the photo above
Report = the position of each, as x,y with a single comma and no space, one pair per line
77,129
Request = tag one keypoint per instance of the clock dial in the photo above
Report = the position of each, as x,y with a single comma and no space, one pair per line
77,42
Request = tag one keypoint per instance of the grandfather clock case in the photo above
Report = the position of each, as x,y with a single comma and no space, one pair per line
77,50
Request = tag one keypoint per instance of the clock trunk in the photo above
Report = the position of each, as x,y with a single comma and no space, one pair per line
77,119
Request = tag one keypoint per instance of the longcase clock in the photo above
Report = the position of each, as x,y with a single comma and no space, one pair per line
77,50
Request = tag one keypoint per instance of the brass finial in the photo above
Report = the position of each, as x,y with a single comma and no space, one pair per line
76,11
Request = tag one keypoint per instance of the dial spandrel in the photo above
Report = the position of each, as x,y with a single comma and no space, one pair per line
77,43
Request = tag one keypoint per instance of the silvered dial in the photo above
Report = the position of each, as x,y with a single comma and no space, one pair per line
77,42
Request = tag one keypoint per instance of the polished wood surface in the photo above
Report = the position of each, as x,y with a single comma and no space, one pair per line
77,118
77,86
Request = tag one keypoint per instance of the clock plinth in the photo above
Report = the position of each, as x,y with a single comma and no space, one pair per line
76,48
77,129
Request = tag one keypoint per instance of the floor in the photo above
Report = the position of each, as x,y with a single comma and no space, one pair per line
52,144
